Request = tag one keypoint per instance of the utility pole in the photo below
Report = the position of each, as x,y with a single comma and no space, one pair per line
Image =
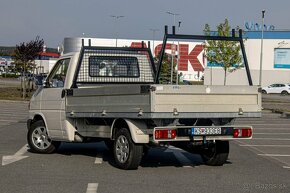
261,55
178,56
116,17
172,56
153,31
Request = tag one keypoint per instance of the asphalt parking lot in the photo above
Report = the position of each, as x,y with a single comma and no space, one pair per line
9,82
261,164
276,101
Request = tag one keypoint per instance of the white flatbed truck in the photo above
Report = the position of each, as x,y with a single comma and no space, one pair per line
113,95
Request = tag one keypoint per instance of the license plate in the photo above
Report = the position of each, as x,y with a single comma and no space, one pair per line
206,131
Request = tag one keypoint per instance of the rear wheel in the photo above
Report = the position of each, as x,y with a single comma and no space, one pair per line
38,139
216,154
284,92
264,92
127,154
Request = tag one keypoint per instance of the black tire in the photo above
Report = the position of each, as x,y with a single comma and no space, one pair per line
38,140
264,92
127,154
284,92
216,154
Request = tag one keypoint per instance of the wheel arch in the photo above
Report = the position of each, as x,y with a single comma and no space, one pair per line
40,117
136,128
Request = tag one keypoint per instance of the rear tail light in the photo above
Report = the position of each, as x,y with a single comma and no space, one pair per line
165,134
242,133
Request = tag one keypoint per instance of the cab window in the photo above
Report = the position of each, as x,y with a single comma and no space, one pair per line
57,78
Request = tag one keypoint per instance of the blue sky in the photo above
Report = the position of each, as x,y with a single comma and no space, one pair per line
52,20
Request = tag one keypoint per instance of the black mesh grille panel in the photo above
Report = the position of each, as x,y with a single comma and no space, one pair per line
115,66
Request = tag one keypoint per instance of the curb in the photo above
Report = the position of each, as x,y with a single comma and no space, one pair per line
284,114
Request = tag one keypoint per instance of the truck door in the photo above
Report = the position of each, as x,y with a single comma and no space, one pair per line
52,104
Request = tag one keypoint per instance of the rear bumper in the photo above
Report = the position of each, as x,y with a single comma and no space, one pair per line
185,133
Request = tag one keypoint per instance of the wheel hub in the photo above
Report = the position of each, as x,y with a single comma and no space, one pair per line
122,149
40,138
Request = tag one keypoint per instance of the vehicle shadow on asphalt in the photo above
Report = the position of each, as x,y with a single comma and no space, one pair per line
87,149
163,158
154,158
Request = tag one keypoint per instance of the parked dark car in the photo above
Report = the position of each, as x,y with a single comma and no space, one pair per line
39,79
29,77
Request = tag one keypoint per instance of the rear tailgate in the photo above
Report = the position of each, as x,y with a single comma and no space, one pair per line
232,101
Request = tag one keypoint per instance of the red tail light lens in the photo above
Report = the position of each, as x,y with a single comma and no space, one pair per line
165,134
236,133
242,133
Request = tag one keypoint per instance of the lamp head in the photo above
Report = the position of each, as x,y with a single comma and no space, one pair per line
263,13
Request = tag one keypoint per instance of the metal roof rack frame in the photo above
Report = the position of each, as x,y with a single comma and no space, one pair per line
203,37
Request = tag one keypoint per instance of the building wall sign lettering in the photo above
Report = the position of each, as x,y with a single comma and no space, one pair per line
251,26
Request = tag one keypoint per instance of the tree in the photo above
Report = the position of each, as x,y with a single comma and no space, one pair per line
224,53
24,55
165,72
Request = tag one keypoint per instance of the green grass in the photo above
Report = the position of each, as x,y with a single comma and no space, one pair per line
9,76
13,93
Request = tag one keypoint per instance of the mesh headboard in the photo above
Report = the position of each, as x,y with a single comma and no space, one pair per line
103,65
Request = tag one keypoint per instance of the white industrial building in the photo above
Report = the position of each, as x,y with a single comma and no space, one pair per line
275,61
44,66
275,65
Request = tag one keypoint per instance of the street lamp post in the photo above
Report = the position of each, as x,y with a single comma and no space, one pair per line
261,54
116,17
174,15
172,57
178,57
153,31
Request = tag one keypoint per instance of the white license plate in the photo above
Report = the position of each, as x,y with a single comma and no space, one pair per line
206,131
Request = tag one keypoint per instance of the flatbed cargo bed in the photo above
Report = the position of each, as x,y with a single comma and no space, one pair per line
164,101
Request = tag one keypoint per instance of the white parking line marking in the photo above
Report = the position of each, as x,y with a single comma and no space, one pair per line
271,133
268,124
11,121
278,139
286,167
92,188
99,159
22,150
274,155
264,145
16,157
13,115
255,150
178,153
274,129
